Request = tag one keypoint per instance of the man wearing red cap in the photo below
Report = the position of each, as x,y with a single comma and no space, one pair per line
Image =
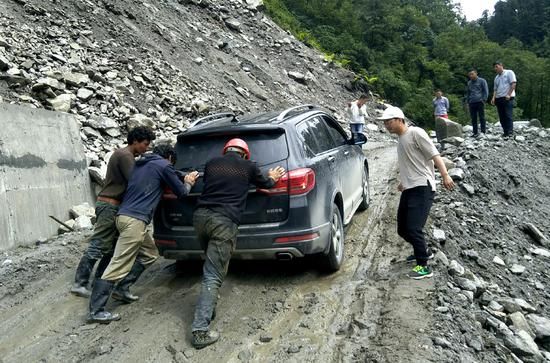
216,220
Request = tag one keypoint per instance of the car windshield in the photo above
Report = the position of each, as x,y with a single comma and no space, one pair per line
265,148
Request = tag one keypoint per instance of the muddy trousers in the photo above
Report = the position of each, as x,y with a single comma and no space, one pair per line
505,110
478,109
101,244
412,214
218,235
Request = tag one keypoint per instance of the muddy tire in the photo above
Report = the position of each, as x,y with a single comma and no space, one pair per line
366,192
333,259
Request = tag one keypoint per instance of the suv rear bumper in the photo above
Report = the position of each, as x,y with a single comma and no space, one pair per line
252,244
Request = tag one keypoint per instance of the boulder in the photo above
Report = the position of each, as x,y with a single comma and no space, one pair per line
540,325
445,128
76,79
83,209
62,102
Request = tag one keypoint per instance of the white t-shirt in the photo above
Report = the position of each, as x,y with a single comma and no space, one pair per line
503,82
357,115
415,151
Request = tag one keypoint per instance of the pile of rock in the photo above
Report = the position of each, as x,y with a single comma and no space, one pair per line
493,255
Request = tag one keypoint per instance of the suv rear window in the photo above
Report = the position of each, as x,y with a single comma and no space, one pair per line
266,148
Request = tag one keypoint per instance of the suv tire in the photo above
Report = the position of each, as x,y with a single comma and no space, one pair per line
332,261
366,193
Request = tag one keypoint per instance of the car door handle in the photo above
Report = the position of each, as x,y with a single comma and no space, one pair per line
331,158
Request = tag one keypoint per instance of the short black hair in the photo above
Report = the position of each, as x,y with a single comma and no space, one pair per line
472,70
139,134
363,97
166,151
497,62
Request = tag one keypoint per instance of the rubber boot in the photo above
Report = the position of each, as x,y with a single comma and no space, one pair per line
100,295
102,265
122,290
82,276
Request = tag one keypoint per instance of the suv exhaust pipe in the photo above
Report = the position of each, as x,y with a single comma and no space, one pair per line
284,256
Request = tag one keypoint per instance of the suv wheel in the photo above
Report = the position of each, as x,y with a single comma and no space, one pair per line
335,256
366,193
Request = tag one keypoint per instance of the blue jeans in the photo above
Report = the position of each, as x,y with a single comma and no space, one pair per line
505,109
356,128
218,236
414,207
478,109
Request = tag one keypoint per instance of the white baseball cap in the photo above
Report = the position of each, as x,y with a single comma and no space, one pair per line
392,112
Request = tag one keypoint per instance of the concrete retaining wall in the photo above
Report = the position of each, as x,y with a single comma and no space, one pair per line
43,172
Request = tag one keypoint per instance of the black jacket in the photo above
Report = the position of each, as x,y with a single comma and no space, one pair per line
226,182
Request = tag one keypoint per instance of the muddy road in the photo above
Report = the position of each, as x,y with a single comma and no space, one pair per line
268,312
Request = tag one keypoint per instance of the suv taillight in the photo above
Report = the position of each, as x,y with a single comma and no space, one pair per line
168,194
294,182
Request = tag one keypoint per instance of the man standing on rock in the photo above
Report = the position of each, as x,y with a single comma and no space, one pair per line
503,97
357,111
441,105
216,220
416,155
476,94
105,233
151,173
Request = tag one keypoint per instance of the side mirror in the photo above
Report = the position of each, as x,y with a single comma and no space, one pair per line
358,139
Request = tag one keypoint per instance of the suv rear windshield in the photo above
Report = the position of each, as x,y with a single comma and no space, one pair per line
266,147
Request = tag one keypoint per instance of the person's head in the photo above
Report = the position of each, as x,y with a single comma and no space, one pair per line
362,100
139,138
472,74
394,120
238,146
498,67
166,151
438,93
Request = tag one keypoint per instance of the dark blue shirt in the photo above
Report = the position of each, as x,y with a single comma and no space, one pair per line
145,187
477,90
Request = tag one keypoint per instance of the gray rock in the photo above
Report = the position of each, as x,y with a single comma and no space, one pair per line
96,175
441,258
442,342
84,94
199,106
265,338
469,189
540,252
140,120
518,320
495,306
466,284
514,305
83,222
456,268
298,77
76,79
113,132
535,233
62,102
475,342
541,325
445,128
517,269
519,138
499,261
448,163
101,122
535,123
4,43
293,349
198,60
83,209
47,82
457,174
254,4
233,24
453,140
439,235
522,344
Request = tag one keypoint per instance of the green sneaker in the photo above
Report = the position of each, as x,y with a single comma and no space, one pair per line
420,272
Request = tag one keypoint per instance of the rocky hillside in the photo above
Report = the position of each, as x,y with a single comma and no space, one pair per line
116,64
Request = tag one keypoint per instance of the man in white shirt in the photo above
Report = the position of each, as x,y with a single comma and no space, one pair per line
416,155
357,112
503,97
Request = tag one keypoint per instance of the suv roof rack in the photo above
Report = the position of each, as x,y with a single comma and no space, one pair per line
214,117
288,110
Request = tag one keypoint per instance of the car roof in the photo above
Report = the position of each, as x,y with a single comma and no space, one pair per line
230,121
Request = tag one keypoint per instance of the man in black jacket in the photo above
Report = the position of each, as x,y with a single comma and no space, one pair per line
216,220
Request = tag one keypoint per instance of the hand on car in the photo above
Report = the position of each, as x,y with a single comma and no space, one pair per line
191,178
276,173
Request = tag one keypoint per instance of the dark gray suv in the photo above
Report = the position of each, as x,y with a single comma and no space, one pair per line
303,214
